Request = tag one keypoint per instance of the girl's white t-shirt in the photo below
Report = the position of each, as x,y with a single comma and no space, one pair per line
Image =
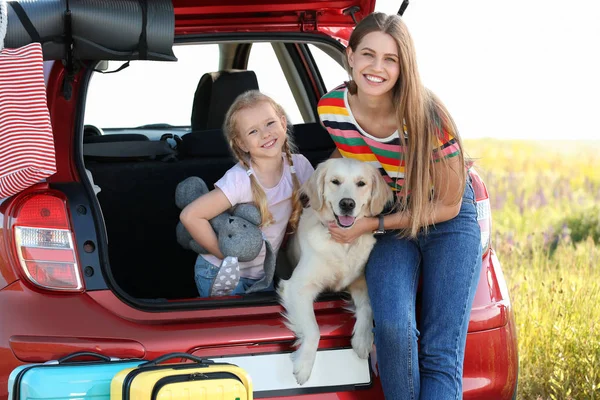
235,184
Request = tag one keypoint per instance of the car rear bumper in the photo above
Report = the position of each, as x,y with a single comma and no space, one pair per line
47,326
43,327
491,364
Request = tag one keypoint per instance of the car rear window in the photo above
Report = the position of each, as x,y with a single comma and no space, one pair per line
149,92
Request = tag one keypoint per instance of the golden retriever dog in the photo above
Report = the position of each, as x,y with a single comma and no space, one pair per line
341,190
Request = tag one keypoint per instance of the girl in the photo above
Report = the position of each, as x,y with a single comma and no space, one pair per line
267,173
385,116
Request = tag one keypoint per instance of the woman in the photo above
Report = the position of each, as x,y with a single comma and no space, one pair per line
386,117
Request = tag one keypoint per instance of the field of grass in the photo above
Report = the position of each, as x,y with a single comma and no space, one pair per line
545,201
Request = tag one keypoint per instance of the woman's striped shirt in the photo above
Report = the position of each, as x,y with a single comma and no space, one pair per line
385,154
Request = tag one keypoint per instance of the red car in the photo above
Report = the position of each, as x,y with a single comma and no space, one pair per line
82,269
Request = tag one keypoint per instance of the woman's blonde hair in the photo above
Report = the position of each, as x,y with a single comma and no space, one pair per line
247,100
425,117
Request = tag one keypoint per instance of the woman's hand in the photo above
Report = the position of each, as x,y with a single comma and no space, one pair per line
349,235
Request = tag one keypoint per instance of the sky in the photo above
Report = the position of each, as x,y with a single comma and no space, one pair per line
527,69
505,69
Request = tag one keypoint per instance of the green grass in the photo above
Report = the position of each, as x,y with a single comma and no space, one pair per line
546,230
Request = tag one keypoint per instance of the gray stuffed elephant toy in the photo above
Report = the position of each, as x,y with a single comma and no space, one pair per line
238,231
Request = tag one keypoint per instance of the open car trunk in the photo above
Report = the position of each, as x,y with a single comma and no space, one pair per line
137,198
137,178
140,254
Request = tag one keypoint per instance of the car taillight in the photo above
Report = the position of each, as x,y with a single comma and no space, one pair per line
484,217
484,211
44,243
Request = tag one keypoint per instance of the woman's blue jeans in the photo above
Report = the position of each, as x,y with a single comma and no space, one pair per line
448,260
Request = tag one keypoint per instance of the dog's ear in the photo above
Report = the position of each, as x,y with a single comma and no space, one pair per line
381,193
315,186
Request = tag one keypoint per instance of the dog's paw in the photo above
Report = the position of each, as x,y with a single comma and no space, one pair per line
363,344
303,364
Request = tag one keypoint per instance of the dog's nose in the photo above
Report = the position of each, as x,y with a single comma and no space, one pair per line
347,205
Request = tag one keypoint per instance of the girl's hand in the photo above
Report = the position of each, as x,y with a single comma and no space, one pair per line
349,235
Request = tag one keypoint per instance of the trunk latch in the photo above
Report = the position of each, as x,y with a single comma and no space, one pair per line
351,11
308,21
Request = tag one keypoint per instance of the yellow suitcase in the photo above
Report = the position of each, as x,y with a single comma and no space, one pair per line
201,380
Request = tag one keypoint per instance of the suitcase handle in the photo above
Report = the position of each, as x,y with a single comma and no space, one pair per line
176,355
85,354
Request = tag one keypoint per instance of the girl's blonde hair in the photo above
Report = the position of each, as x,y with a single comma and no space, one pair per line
247,100
426,120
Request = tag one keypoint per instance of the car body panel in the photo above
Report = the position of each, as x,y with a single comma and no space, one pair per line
194,17
7,272
208,333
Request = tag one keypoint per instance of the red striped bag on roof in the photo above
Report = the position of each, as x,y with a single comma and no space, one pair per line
26,142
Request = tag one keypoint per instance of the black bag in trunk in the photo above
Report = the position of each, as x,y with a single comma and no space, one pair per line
117,30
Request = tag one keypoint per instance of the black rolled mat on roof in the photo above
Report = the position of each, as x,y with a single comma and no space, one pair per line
98,29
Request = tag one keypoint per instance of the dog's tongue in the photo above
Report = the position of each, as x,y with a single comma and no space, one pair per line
346,220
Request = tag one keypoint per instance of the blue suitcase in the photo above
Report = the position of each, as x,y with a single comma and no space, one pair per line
65,379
